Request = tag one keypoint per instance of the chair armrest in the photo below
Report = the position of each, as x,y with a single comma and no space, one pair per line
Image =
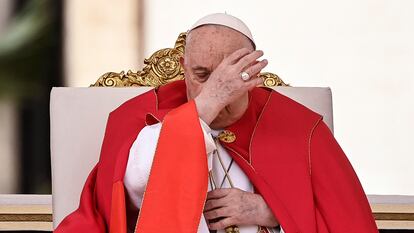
25,212
393,211
34,212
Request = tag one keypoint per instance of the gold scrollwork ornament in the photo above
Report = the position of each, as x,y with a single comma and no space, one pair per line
163,67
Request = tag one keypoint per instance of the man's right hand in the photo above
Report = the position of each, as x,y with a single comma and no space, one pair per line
225,85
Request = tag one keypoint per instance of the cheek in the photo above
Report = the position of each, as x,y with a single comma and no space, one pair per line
193,88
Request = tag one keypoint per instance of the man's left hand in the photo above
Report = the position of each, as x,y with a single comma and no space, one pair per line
232,206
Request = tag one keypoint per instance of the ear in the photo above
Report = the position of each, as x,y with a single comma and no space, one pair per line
182,61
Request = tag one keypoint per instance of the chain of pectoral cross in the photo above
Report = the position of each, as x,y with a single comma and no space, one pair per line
213,184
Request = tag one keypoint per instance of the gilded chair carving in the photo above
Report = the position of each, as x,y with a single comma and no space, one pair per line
163,67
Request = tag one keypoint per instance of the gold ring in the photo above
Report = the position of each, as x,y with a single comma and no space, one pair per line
244,76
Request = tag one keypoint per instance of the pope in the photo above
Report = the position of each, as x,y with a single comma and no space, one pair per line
216,153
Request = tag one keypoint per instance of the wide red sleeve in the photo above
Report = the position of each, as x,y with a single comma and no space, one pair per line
177,186
86,218
340,201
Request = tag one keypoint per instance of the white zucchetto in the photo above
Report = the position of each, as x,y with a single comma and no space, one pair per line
227,20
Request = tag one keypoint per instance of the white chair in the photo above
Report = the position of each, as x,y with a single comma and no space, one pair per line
78,119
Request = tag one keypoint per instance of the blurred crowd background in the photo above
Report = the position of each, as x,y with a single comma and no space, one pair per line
30,64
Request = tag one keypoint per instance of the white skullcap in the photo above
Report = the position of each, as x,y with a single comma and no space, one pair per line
227,20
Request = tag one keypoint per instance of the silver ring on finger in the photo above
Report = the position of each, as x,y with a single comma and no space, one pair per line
244,76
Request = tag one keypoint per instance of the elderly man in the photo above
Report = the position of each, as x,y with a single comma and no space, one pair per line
216,153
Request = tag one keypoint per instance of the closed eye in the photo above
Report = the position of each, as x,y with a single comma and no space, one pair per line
203,75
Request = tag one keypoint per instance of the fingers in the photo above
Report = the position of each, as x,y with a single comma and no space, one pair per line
256,68
248,59
223,223
253,71
253,82
235,56
213,204
218,193
217,213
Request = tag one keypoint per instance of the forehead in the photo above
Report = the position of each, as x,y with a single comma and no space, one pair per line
215,39
209,44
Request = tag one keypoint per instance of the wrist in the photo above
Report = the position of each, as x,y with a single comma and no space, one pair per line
207,109
267,216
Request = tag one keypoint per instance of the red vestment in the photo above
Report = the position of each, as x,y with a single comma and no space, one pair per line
285,149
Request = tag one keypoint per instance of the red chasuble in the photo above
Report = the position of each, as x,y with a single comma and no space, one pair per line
285,149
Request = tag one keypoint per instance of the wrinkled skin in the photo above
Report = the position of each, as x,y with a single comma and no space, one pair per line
214,58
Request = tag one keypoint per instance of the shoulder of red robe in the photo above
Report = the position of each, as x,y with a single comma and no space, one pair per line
122,127
282,142
163,98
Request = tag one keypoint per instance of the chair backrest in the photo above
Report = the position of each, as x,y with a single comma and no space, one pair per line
78,119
